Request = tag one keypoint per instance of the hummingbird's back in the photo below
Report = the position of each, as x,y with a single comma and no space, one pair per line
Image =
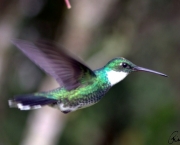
82,97
86,95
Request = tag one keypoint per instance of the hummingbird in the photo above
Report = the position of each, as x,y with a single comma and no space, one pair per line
80,86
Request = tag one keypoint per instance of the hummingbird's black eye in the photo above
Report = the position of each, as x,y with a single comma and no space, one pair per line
124,64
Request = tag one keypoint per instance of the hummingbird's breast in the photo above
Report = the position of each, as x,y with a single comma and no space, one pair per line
93,96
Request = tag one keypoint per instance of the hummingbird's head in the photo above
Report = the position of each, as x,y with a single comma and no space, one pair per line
118,68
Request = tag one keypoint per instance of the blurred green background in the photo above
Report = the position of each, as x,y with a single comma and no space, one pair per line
141,110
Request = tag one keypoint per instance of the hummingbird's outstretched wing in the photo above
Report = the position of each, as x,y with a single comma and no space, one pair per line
56,62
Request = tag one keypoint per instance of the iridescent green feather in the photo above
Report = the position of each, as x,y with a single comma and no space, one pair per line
90,91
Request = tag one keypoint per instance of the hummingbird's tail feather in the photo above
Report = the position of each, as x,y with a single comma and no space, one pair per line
28,102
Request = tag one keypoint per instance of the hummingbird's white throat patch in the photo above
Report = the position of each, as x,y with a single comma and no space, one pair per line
114,77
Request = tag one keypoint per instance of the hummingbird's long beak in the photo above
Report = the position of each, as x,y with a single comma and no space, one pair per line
137,68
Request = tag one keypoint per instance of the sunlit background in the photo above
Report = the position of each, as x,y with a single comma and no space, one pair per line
141,110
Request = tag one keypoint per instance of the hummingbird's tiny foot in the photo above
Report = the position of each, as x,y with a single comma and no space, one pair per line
65,112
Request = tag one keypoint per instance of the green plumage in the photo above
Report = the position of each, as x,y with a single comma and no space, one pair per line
89,93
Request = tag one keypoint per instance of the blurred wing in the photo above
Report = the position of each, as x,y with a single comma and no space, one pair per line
53,60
